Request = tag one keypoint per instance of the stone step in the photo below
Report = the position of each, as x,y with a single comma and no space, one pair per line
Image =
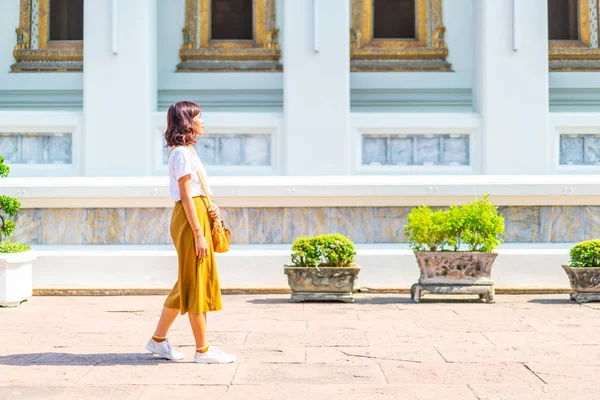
526,267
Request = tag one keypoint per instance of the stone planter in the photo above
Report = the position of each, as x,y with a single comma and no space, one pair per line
448,272
324,284
585,283
15,278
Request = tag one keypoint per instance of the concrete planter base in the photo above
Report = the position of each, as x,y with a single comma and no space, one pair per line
585,283
324,284
454,273
15,278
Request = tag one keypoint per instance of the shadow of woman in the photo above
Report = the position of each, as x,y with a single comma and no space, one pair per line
50,358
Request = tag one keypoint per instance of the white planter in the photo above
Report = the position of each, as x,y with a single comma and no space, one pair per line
15,278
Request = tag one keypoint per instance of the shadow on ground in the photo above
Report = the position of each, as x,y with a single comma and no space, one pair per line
566,300
81,359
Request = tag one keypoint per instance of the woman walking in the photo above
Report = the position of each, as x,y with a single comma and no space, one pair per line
197,290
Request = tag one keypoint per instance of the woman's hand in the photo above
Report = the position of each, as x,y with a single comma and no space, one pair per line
214,211
201,245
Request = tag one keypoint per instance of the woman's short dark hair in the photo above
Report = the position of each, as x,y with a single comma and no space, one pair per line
180,127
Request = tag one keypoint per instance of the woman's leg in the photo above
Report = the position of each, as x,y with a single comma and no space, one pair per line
198,323
159,344
167,317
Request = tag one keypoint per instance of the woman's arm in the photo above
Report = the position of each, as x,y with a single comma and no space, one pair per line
185,189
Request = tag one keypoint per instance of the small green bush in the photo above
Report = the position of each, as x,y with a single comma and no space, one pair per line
323,251
475,225
13,247
586,254
8,209
426,228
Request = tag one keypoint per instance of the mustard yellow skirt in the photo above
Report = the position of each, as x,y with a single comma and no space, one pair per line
197,289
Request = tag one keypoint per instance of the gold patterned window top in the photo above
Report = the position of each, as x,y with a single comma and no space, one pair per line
573,35
230,35
398,35
49,36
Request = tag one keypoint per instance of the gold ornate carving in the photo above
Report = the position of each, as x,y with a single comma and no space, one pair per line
200,53
576,55
427,52
49,56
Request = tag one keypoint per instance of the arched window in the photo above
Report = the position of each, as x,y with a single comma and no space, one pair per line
49,36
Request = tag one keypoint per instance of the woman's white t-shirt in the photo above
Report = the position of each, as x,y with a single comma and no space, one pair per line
183,161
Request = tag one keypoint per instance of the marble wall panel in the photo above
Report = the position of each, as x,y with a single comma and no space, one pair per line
147,225
388,225
592,222
592,150
374,150
230,150
104,226
257,150
455,150
207,150
353,222
265,225
571,150
236,220
276,225
9,148
62,226
521,224
29,226
562,224
305,221
428,150
401,150
59,149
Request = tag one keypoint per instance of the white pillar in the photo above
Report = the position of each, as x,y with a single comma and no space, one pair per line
511,86
316,85
119,89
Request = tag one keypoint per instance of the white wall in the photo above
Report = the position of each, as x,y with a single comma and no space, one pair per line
511,86
120,89
317,88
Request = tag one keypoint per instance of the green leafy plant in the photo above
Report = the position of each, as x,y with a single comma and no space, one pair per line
426,229
333,250
586,254
8,209
476,225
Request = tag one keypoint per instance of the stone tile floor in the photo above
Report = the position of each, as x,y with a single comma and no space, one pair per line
381,347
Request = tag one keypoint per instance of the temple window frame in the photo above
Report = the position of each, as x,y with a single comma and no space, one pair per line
428,52
199,53
34,51
577,55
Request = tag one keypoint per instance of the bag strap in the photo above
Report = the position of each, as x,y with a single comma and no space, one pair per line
202,182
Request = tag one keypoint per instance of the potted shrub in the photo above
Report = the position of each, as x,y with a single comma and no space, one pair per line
454,248
584,271
322,268
15,258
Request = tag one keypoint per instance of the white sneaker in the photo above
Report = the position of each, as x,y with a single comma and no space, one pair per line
214,355
163,349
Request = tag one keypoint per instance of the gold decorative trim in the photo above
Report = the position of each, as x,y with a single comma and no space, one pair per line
576,55
50,56
427,52
199,53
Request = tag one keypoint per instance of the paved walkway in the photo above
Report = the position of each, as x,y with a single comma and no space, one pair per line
382,347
